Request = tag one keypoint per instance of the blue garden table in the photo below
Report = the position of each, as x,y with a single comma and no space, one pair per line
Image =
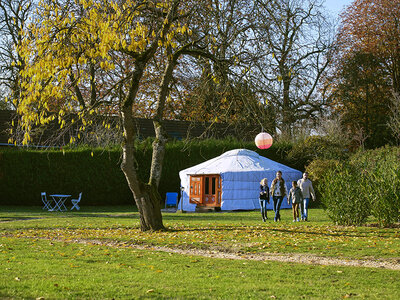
59,201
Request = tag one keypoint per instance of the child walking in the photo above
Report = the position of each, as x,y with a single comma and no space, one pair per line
296,196
264,198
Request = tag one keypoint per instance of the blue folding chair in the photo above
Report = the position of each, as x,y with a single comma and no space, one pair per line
46,203
171,199
75,202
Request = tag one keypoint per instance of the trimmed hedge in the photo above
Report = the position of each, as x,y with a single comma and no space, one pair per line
26,173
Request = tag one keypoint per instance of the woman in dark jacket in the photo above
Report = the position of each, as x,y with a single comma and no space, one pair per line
278,191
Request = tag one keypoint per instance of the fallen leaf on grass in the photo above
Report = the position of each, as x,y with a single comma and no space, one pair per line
349,295
150,291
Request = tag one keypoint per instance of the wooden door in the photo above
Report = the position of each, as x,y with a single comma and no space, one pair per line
205,190
196,190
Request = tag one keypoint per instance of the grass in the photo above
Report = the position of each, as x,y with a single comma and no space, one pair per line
40,258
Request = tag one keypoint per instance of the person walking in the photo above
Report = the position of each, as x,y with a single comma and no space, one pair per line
296,196
278,190
307,189
264,197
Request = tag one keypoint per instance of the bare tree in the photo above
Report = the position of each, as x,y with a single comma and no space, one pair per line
294,39
219,89
332,128
14,16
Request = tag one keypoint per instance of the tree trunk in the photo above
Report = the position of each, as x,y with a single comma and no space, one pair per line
287,120
146,195
147,199
149,206
161,134
396,73
158,154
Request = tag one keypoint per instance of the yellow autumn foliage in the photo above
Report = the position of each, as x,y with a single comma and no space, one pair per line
58,49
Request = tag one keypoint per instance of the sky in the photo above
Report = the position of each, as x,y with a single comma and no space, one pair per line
336,6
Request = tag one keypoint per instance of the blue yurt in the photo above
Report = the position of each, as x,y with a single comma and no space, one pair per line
231,181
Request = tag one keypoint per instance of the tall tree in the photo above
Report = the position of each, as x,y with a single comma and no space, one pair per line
293,42
361,96
366,68
218,89
104,33
373,26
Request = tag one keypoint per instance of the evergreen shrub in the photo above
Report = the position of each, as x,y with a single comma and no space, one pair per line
343,195
317,171
381,170
366,184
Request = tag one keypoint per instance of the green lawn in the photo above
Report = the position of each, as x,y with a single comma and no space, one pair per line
40,257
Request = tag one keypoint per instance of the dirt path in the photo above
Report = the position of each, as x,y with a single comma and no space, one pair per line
392,264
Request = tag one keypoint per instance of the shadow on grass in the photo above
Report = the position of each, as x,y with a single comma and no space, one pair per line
9,219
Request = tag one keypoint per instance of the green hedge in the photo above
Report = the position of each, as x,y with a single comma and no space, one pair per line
366,184
343,193
26,173
381,171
